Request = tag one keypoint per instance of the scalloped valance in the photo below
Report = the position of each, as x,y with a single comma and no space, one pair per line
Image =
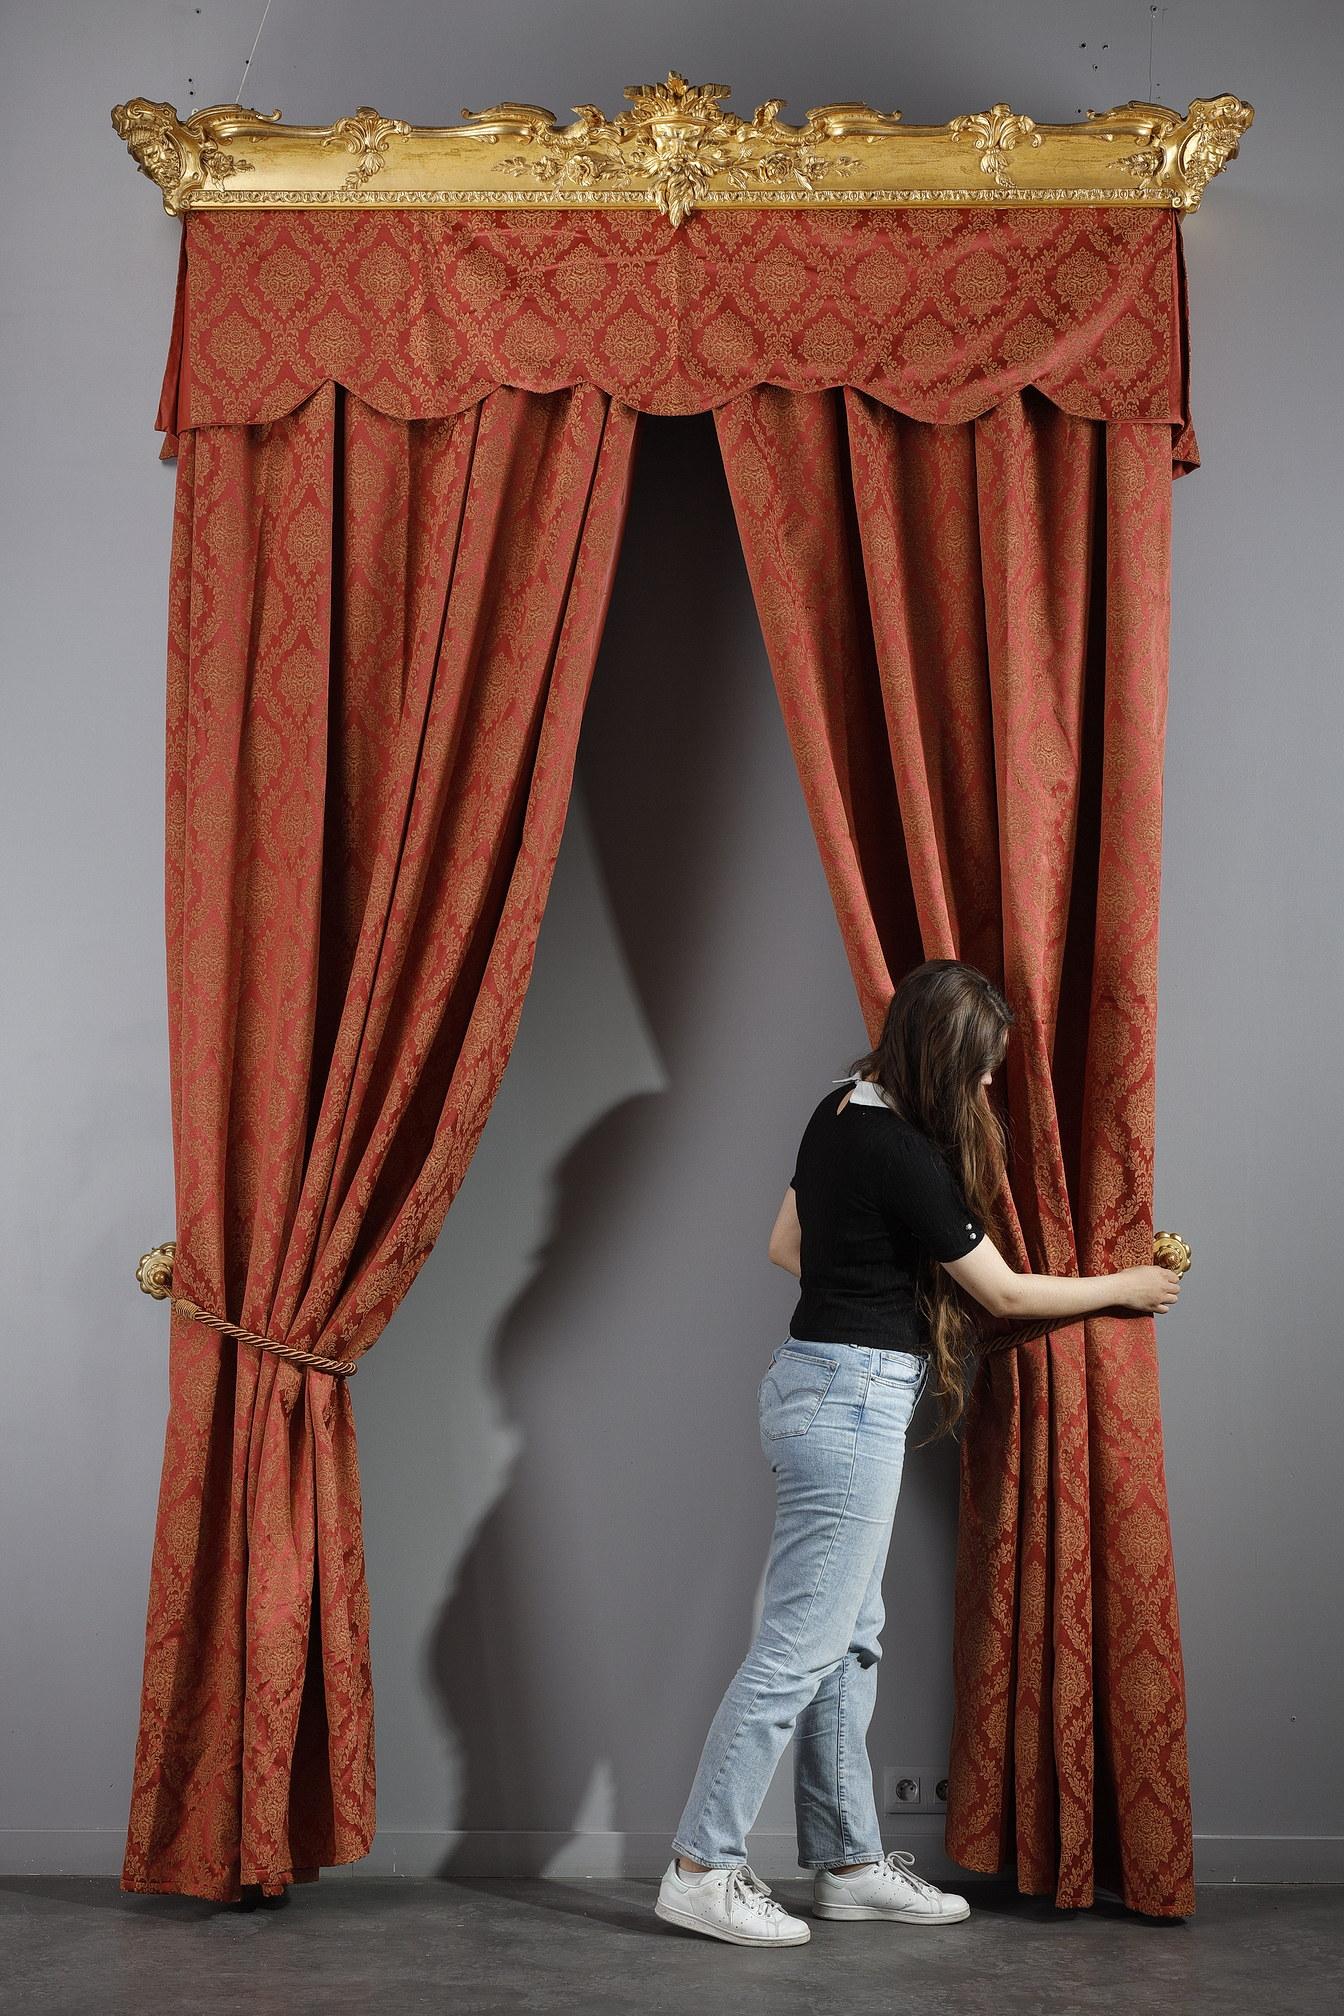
940,313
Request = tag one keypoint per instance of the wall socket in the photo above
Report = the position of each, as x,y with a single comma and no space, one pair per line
906,1790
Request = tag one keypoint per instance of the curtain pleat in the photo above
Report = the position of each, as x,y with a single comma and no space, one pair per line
382,634
967,626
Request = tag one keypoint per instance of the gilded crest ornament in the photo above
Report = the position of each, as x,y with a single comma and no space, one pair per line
181,156
366,133
1182,155
994,134
676,140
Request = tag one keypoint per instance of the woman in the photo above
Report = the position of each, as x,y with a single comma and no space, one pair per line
883,1222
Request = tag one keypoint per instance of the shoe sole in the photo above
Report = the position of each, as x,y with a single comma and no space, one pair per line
897,1917
692,1924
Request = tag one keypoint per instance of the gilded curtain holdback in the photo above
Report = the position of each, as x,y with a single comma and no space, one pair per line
155,1275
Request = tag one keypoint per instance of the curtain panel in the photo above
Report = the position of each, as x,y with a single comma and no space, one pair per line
967,626
381,637
405,442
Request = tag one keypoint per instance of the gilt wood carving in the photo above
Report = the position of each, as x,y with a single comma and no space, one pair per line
677,149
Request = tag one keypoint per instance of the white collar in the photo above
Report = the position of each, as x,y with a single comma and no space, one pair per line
866,1092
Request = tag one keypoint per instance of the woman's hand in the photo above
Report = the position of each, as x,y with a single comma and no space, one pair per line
1147,1289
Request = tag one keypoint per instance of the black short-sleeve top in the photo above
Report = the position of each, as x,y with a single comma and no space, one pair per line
872,1192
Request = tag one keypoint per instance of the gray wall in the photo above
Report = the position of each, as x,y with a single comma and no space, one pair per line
562,1412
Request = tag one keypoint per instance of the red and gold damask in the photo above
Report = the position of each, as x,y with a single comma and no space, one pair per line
381,637
968,630
940,313
405,448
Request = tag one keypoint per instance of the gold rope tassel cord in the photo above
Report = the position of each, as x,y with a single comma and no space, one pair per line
155,1275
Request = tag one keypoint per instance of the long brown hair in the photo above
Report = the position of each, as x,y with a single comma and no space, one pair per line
946,1026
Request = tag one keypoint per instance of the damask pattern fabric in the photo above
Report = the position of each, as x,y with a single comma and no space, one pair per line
405,446
967,626
381,638
940,313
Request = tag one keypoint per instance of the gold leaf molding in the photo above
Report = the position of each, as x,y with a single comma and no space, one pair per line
677,149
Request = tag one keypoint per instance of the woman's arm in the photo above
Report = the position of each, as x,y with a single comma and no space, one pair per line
786,1237
1031,1304
1034,1301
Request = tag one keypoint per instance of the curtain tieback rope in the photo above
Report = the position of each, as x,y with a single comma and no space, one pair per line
155,1275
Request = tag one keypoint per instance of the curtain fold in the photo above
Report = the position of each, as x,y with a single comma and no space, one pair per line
382,633
967,626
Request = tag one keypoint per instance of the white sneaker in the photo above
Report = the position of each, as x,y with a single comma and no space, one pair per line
886,1889
729,1904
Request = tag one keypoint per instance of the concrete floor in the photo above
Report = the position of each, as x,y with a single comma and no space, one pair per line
471,1948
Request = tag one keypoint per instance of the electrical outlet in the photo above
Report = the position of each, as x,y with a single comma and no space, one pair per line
906,1790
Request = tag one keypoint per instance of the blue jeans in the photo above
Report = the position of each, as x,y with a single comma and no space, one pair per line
833,1419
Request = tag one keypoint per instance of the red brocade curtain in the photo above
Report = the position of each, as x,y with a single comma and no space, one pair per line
405,445
381,637
967,626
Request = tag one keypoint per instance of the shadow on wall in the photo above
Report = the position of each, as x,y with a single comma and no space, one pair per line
609,1591
561,1655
